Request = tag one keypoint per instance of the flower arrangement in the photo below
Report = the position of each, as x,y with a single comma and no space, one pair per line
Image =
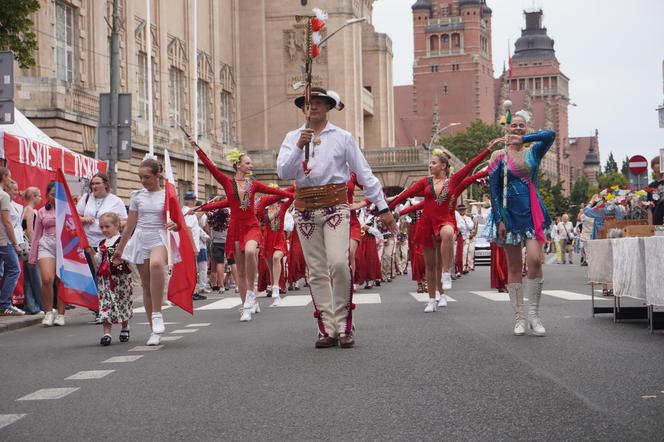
234,156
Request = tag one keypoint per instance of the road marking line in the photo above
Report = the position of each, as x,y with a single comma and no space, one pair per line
223,304
366,298
48,393
146,348
89,374
8,419
202,324
171,338
184,330
493,296
117,359
569,296
165,323
295,301
142,309
424,297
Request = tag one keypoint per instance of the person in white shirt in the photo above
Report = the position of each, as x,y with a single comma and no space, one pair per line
465,225
198,235
8,250
322,212
565,231
94,204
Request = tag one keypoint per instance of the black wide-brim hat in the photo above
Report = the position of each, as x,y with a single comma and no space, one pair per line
317,92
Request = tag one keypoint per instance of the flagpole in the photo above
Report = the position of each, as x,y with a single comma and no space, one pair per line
194,126
149,61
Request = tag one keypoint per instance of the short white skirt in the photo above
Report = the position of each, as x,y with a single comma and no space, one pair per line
46,247
142,242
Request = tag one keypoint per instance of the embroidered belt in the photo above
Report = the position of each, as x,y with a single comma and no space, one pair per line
318,197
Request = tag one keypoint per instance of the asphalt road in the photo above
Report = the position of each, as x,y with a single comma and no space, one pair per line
458,374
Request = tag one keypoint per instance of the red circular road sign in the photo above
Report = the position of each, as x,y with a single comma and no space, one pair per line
638,164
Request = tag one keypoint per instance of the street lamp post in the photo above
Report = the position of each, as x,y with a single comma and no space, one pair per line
440,131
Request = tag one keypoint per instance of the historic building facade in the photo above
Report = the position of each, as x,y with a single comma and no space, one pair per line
453,70
224,71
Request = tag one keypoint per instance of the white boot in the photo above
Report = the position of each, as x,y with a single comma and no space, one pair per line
516,298
446,279
442,302
250,301
534,287
431,306
245,315
158,323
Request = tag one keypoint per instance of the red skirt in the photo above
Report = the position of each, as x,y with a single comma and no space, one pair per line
297,266
274,241
367,264
355,228
428,229
498,267
243,230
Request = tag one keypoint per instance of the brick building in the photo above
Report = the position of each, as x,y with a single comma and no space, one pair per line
452,72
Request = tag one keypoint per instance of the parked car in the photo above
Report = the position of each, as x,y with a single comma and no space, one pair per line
482,249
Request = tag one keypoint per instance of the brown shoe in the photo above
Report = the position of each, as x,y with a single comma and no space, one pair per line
346,341
326,342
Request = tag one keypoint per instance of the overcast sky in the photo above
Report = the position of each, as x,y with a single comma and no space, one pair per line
612,51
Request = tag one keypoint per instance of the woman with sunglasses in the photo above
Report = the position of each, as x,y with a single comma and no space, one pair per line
520,217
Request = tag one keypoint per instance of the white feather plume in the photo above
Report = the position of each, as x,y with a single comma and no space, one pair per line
149,156
316,37
320,14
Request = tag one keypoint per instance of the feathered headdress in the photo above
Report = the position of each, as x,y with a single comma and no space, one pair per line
234,156
438,152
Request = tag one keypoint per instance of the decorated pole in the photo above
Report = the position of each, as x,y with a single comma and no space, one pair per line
507,105
315,23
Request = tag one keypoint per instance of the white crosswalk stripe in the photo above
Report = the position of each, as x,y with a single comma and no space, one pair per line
142,309
184,330
89,374
8,419
146,348
295,301
48,394
493,296
424,297
222,304
118,359
561,294
366,298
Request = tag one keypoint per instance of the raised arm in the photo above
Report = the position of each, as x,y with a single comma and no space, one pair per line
262,188
463,185
209,207
266,201
416,189
543,141
462,173
218,175
412,208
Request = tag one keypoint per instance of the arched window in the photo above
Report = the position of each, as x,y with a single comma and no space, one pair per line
445,42
456,41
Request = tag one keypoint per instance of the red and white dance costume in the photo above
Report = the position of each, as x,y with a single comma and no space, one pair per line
438,211
297,266
414,248
243,225
367,261
274,239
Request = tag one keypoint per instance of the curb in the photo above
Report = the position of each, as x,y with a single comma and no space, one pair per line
15,325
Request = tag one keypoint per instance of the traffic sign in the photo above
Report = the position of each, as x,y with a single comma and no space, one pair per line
638,164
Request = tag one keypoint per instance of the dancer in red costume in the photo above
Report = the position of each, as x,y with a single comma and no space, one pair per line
272,213
414,248
243,228
297,266
438,222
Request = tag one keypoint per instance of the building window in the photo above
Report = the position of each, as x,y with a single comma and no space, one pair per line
142,83
455,67
225,117
538,84
456,41
202,109
434,44
64,41
434,68
176,89
522,84
445,89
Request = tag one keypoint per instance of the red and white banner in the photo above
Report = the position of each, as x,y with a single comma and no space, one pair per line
34,163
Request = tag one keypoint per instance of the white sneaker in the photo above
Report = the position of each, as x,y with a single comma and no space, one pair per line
155,339
431,306
442,302
256,308
249,300
158,323
447,281
17,310
276,302
437,295
520,327
48,319
246,315
59,320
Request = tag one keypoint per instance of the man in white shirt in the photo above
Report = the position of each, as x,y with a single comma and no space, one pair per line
322,213
8,250
565,230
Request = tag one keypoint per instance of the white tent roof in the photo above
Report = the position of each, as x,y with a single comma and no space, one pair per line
23,127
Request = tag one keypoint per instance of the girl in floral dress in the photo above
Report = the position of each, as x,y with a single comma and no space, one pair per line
114,281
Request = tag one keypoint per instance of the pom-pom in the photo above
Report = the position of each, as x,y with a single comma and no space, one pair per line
316,38
149,156
352,306
320,14
317,24
316,314
507,105
234,156
314,51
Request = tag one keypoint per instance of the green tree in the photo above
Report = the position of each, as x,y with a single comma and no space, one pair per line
612,179
611,165
581,193
469,143
624,169
16,30
552,195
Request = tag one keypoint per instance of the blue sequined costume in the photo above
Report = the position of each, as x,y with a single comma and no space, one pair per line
522,220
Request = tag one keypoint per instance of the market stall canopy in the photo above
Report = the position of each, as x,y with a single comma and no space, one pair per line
34,158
